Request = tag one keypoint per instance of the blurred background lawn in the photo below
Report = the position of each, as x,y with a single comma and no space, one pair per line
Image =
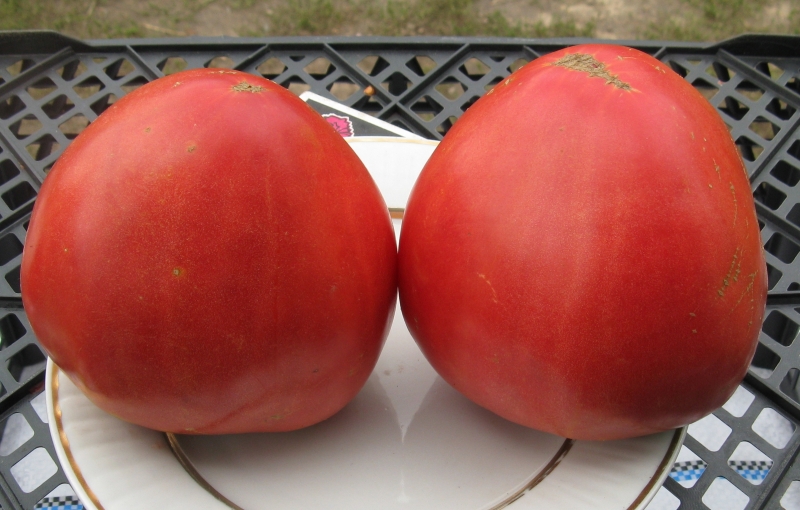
696,20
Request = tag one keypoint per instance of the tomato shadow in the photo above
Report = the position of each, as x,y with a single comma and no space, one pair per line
458,455
353,456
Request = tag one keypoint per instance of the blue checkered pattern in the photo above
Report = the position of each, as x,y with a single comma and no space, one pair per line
685,476
755,470
59,503
751,469
687,470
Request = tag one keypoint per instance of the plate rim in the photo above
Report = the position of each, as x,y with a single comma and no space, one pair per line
61,442
92,502
662,472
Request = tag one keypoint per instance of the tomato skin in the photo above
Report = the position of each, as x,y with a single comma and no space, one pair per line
211,257
585,259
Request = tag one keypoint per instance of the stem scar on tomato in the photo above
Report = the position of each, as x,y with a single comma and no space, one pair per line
246,87
585,63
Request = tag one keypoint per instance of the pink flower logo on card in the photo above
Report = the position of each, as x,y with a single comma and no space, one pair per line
342,125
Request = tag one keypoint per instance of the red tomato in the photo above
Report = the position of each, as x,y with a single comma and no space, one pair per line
581,254
210,256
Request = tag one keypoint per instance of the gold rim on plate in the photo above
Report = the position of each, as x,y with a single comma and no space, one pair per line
64,440
185,462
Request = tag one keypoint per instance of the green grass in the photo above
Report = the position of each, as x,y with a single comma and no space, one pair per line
310,17
90,19
74,17
405,18
714,20
460,18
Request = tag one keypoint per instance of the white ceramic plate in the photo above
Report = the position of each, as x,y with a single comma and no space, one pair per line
407,442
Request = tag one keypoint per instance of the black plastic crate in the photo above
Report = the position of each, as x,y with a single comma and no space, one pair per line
51,87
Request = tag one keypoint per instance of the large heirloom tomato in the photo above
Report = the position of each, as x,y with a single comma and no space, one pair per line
581,253
210,256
